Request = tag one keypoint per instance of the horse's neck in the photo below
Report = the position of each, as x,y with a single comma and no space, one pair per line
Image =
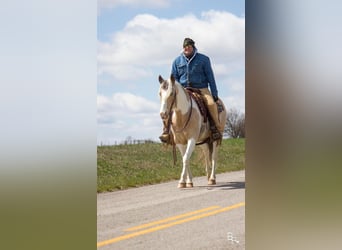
182,103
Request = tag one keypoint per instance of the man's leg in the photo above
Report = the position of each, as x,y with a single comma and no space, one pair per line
212,107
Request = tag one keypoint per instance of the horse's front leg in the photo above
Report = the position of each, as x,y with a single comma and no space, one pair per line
186,175
182,183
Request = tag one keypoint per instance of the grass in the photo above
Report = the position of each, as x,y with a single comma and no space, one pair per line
124,166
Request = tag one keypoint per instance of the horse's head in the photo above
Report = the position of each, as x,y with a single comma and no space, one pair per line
167,94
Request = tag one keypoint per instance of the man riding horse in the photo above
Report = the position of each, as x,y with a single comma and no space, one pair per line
193,69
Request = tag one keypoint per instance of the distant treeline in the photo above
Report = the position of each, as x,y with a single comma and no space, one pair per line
129,142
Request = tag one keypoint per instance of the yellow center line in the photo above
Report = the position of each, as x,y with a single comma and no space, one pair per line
160,227
171,218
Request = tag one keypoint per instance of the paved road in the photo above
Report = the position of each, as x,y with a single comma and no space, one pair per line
164,217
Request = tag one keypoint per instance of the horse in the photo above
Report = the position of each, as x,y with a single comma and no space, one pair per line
188,128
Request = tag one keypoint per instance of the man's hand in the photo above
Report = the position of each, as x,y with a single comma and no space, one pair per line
215,98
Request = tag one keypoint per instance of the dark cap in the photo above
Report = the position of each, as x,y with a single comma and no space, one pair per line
188,41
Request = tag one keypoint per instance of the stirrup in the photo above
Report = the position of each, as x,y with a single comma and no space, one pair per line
216,135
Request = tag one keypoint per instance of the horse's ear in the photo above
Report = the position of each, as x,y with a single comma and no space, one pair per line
172,78
160,79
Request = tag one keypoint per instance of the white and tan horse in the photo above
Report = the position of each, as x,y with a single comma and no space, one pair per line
188,128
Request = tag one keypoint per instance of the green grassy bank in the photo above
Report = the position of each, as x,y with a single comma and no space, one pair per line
124,166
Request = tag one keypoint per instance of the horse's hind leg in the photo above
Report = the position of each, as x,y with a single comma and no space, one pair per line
206,153
213,153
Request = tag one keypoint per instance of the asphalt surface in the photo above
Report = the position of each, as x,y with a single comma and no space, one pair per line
164,217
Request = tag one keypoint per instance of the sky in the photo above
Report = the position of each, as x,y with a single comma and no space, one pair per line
138,41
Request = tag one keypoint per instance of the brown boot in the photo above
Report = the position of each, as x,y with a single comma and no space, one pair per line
215,133
165,138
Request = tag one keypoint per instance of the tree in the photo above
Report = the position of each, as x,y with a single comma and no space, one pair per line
235,124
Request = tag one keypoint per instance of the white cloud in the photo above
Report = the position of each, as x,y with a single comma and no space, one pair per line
127,112
148,41
125,103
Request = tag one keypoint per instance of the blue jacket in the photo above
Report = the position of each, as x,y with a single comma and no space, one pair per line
196,71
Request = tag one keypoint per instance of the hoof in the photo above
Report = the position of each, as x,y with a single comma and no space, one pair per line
189,185
212,182
181,185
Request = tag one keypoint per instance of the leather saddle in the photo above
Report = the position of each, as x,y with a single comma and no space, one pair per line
196,95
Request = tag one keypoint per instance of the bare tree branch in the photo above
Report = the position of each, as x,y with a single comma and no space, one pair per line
235,125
